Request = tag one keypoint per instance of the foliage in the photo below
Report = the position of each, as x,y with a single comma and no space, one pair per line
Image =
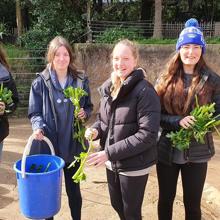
7,12
6,96
15,51
75,94
52,18
119,11
213,40
205,121
112,35
157,41
23,60
182,10
35,168
80,173
3,30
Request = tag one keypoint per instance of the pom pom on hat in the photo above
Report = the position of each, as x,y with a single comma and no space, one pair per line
191,34
192,22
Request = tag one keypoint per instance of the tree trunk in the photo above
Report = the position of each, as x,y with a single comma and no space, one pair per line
19,18
158,19
89,33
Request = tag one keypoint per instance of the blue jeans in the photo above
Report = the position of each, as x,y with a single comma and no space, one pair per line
1,146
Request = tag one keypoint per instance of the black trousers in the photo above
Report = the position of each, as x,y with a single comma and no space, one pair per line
193,179
126,194
73,193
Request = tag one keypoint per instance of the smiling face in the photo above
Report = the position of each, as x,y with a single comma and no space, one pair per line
124,61
190,55
61,60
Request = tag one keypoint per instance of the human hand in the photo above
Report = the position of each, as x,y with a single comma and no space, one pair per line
187,121
2,108
38,134
91,133
97,159
81,114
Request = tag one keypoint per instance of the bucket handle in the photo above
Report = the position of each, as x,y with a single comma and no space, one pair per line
27,151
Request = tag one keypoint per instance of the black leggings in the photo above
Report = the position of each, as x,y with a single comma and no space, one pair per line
126,194
73,193
193,179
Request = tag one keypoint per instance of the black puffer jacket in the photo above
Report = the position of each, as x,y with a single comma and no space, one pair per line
132,120
169,123
8,82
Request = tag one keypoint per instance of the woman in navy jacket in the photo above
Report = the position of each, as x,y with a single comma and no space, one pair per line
8,82
51,113
127,125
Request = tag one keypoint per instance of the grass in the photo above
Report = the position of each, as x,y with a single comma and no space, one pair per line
14,51
209,40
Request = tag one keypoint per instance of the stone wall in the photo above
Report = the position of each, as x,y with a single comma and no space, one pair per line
95,59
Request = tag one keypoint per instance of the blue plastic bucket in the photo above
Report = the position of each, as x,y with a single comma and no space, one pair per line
40,191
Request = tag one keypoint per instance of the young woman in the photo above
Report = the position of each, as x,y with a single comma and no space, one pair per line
187,75
127,126
51,114
8,82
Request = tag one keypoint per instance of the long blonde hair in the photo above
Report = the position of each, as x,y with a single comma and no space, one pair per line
116,82
170,86
56,43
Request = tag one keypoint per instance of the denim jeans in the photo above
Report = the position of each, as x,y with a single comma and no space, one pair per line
1,146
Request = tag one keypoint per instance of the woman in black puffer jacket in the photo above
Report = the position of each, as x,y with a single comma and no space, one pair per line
187,75
127,127
8,82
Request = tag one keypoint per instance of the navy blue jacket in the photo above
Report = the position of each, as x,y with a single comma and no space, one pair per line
8,82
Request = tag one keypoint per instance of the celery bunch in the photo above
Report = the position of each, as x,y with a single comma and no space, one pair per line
205,122
75,94
80,174
5,95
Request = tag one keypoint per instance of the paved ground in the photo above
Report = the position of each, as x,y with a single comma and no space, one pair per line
96,205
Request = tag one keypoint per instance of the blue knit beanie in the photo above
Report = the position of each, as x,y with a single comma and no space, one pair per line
191,34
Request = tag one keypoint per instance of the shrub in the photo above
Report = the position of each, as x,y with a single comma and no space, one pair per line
112,35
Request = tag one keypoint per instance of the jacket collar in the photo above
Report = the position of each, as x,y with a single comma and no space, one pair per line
129,83
55,81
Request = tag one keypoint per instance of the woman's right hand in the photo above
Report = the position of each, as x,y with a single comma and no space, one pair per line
2,108
38,134
91,133
187,122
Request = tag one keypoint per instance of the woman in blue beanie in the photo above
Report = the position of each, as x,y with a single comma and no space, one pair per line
187,75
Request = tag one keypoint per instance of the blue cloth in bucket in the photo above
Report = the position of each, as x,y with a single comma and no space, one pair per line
40,192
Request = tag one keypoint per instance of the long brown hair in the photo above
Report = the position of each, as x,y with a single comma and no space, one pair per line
116,82
56,43
170,86
3,59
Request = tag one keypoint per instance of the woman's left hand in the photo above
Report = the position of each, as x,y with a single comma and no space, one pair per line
81,114
97,159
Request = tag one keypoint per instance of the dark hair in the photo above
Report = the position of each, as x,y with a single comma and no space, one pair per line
53,47
3,59
170,86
